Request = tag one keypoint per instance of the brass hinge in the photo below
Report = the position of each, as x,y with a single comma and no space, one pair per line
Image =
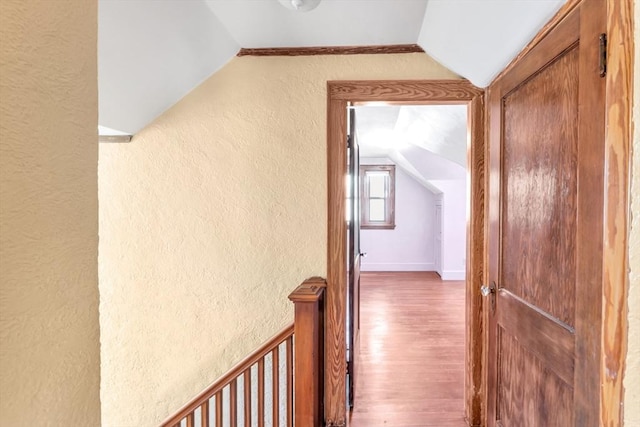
603,55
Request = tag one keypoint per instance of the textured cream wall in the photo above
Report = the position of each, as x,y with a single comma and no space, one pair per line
632,374
209,218
49,350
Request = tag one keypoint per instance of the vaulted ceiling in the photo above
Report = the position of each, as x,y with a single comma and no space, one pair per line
153,52
429,142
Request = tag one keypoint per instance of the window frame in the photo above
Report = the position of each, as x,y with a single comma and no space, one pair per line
389,222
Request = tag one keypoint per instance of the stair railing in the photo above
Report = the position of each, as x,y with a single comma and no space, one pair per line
284,376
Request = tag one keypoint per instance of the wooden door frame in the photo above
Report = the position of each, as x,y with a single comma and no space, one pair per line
339,94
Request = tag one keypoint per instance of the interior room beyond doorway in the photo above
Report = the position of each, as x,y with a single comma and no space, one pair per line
427,144
411,351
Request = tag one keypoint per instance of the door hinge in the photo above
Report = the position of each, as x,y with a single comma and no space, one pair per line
603,54
349,141
349,367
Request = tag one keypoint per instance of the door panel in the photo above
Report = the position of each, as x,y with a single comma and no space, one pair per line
530,393
539,186
546,136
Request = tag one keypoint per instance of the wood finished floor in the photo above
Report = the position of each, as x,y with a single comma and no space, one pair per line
411,364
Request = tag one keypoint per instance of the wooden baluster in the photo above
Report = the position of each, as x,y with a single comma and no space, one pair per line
309,352
289,368
275,386
261,392
233,402
247,397
230,380
204,414
219,409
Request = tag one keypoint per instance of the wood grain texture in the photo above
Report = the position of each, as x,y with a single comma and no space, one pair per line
309,362
582,21
494,150
335,339
401,92
475,375
618,138
591,189
233,402
219,409
412,351
204,414
331,50
552,345
539,186
528,389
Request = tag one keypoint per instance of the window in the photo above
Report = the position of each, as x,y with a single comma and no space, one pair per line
377,196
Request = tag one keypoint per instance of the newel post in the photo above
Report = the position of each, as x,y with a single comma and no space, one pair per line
309,352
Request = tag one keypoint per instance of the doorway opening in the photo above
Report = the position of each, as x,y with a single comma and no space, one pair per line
425,198
458,92
407,197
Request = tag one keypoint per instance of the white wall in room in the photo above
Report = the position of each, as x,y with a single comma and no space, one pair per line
454,228
409,247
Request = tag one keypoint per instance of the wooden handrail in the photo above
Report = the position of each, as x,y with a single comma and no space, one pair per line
303,383
235,372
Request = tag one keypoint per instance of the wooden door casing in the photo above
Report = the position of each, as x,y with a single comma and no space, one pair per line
339,93
546,142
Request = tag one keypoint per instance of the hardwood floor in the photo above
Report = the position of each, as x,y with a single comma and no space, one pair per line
411,364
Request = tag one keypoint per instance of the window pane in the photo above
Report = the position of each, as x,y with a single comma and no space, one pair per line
377,183
376,210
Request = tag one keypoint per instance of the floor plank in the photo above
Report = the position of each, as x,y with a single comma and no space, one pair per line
411,362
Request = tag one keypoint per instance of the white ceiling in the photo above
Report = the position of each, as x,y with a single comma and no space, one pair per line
478,38
266,23
153,52
429,141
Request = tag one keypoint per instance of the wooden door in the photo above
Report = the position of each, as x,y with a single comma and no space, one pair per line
546,140
353,258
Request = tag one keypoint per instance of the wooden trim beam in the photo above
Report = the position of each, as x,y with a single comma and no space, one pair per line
331,50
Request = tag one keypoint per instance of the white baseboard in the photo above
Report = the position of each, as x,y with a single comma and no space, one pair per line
453,275
398,266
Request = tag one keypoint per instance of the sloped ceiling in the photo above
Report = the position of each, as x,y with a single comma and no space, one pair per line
429,142
153,52
266,23
478,38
